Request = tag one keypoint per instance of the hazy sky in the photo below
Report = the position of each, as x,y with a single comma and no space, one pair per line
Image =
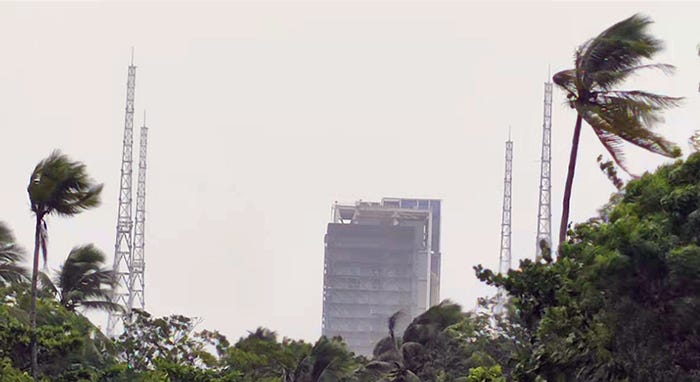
263,114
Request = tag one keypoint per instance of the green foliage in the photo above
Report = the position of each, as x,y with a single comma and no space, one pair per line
260,357
620,303
9,374
486,374
147,340
70,347
443,343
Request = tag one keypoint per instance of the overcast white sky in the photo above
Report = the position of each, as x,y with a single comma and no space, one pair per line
263,114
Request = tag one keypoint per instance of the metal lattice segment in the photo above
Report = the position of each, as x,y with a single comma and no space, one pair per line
544,210
136,276
123,245
505,252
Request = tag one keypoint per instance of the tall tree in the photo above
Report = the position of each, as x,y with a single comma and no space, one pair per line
57,186
83,281
601,65
10,255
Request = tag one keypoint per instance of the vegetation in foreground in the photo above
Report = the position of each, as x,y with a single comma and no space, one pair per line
619,303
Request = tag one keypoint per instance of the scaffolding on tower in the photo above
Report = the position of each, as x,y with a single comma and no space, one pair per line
544,209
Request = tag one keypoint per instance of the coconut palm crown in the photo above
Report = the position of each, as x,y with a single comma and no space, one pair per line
616,116
83,281
62,187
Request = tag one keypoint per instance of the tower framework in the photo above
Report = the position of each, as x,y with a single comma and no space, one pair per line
544,210
123,246
136,275
505,253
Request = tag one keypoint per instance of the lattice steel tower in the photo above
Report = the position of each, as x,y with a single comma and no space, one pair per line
123,246
544,210
505,255
136,277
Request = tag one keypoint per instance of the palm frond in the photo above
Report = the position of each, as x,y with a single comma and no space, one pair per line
81,262
380,366
10,256
12,273
46,284
630,116
566,79
6,235
607,79
618,48
83,281
613,144
10,253
640,99
392,321
102,305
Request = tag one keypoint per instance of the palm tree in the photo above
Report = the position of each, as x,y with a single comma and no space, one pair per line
10,256
327,361
82,281
400,359
57,186
330,361
601,64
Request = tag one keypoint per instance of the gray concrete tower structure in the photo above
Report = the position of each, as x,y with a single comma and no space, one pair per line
380,258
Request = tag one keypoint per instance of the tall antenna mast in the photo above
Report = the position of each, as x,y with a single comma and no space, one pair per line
123,246
136,277
505,255
544,210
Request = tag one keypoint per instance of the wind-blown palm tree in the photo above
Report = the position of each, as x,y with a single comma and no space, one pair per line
328,361
10,256
57,186
601,65
83,282
400,358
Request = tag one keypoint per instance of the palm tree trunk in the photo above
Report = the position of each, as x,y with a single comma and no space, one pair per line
32,309
569,181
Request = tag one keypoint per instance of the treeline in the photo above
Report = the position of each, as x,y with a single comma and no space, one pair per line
619,303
